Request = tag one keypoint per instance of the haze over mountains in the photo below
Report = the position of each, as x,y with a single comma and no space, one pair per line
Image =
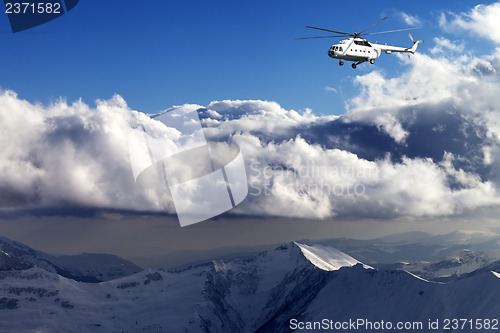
266,292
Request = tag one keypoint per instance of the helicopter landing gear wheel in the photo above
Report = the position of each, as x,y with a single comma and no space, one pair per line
341,63
372,61
354,65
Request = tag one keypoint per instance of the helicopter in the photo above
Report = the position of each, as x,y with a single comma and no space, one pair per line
360,50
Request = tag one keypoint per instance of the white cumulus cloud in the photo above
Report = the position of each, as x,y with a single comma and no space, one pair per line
67,154
444,46
409,19
482,20
72,154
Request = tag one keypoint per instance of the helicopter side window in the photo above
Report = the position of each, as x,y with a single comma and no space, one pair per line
340,48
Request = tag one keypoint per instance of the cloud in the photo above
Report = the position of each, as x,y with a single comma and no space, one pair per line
374,161
408,19
414,145
330,89
254,116
482,20
61,154
405,18
444,46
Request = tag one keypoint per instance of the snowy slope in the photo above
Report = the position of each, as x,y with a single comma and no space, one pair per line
257,294
399,296
40,301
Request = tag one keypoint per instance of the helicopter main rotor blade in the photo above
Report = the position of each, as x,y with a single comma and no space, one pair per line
328,30
348,46
373,25
388,31
320,37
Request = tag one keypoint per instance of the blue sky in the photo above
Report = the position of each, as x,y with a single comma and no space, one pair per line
162,53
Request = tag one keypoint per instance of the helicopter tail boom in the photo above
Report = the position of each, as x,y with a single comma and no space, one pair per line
391,49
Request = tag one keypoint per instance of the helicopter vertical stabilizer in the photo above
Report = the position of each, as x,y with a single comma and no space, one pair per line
413,49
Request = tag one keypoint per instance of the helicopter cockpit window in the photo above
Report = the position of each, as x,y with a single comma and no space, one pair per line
362,42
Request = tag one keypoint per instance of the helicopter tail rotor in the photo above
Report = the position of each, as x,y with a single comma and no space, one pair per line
420,41
413,49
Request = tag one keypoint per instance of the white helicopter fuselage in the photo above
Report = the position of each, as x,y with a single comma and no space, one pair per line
357,50
360,50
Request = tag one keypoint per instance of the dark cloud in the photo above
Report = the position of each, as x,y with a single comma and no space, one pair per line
432,131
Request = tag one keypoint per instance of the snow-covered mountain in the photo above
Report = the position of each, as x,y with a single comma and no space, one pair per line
433,257
83,267
268,292
414,246
457,264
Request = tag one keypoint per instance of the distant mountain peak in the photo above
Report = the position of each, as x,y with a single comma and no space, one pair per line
467,236
83,267
327,258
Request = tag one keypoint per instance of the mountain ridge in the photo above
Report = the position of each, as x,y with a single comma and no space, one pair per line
262,293
85,267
